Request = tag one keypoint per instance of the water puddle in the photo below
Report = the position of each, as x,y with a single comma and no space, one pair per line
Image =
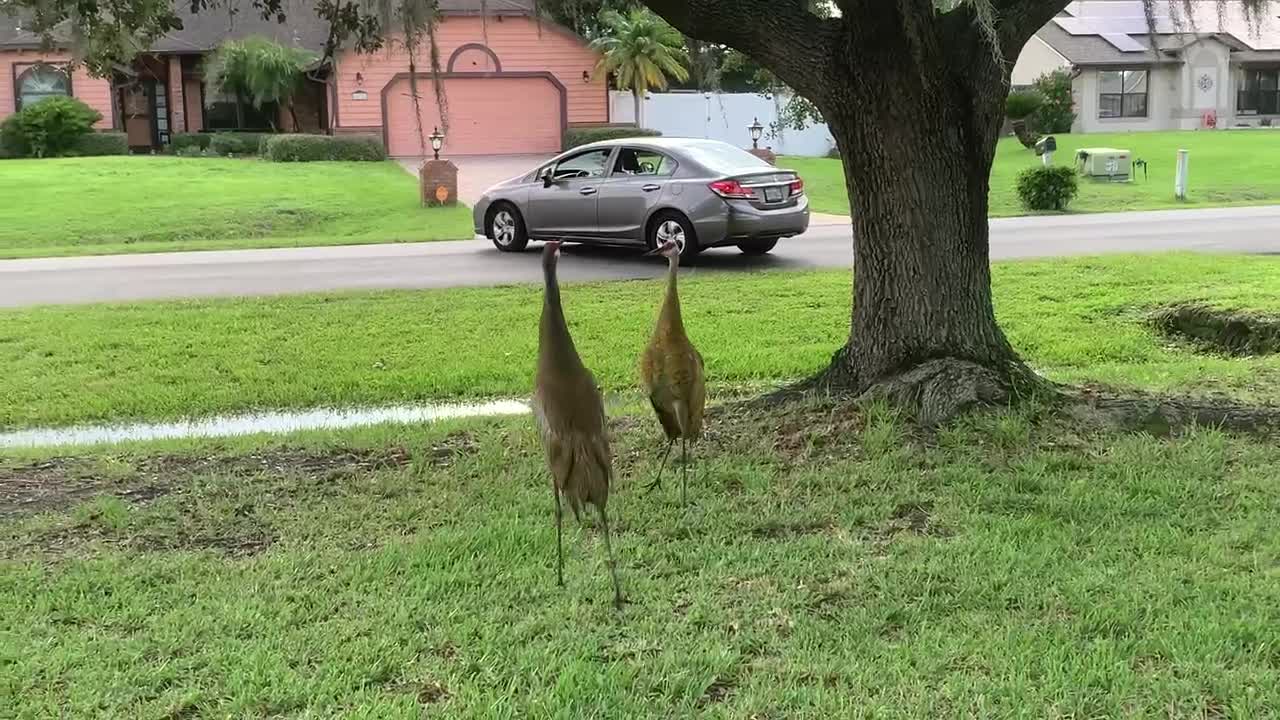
271,422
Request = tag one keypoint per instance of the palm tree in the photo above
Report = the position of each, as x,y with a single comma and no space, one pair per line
641,50
260,71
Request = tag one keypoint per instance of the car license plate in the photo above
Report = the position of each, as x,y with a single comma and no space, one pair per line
773,194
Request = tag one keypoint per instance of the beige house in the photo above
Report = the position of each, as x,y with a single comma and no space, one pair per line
1196,71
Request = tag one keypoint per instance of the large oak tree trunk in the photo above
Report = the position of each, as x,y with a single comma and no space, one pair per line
917,132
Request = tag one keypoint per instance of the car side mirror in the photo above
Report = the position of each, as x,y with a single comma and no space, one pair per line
548,179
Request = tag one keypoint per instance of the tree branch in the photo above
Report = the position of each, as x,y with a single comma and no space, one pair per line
1018,20
782,35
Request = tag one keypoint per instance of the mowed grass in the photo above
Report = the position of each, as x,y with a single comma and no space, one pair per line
84,206
1225,168
1079,320
829,564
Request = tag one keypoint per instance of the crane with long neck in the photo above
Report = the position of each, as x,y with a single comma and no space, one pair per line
569,411
673,373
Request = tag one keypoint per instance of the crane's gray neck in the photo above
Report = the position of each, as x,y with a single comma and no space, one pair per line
670,315
554,339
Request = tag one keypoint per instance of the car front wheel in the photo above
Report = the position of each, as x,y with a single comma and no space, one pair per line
506,227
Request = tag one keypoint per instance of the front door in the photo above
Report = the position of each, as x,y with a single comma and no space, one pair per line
135,107
634,187
567,207
144,106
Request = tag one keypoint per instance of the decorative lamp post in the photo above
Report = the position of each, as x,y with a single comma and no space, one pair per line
438,179
437,141
756,131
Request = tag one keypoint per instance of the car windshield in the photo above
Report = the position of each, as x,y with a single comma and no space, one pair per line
722,157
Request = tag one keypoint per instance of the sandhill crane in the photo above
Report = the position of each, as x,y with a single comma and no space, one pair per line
570,415
672,372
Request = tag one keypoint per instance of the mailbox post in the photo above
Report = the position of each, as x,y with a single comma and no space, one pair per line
1045,148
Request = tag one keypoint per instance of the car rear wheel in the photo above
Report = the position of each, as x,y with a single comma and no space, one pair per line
670,225
757,247
506,227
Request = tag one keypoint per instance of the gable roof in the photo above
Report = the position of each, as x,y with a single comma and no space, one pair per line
1115,32
204,31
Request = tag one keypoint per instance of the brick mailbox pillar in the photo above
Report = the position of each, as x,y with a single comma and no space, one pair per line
439,182
765,154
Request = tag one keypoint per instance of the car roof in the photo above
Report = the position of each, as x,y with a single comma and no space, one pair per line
658,143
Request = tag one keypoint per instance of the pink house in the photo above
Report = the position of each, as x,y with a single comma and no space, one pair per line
509,83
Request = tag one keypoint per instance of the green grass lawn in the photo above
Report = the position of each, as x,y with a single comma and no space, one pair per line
828,564
1226,168
1075,320
83,206
832,561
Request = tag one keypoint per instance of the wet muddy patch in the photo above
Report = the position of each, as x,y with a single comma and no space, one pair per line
61,482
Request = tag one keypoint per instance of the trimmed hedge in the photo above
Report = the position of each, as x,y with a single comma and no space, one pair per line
1047,188
312,148
180,141
582,136
247,143
101,143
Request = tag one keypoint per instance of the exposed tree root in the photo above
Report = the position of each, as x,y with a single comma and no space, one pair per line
932,392
1235,333
1164,416
937,391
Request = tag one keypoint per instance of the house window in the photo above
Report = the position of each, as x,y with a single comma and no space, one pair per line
1122,93
1259,92
223,111
40,82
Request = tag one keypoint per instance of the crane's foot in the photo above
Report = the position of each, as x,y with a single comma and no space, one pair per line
618,601
655,485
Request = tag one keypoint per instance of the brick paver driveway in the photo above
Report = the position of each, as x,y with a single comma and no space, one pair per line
477,172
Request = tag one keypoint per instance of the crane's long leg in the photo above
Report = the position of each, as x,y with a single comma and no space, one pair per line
657,482
555,494
613,568
684,468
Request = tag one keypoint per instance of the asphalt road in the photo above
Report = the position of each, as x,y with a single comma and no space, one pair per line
475,262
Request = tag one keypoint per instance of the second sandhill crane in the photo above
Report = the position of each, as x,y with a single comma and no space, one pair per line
569,411
671,368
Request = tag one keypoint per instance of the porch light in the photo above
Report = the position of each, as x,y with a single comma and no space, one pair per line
756,131
437,141
586,76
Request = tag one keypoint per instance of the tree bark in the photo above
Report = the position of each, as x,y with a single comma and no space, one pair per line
635,97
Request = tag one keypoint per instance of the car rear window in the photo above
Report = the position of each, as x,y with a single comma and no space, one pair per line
722,157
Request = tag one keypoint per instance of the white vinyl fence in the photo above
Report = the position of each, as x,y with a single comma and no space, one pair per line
720,116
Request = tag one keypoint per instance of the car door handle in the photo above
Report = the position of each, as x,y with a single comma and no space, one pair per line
588,191
651,187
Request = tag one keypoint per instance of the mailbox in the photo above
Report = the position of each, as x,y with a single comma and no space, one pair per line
1046,145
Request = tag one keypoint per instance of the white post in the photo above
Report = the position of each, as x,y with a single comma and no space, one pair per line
1180,177
1047,158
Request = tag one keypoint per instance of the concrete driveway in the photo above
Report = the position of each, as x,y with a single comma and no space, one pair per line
477,172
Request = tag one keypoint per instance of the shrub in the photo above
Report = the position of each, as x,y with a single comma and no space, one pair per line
1055,112
180,141
247,143
48,128
101,143
1047,188
311,148
1022,103
582,136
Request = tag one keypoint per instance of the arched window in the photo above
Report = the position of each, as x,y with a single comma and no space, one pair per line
39,82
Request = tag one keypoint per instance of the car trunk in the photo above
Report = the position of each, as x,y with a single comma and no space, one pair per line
771,189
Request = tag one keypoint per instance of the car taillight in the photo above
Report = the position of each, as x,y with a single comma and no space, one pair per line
797,186
731,189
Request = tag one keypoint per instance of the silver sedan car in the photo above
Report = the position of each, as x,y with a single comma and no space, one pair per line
645,191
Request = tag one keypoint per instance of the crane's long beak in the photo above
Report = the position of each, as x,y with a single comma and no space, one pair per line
654,251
